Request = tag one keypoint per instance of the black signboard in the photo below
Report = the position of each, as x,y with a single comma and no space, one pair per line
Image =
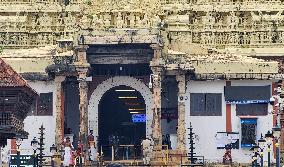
25,161
247,94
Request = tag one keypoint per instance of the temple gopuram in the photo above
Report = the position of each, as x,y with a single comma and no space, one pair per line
127,70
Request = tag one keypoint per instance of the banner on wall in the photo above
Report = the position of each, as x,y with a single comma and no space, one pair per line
225,138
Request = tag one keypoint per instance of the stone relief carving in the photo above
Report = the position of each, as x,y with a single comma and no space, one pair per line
237,24
45,22
70,22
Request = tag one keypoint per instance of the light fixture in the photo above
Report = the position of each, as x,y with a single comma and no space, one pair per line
269,137
128,97
62,151
276,131
53,149
126,90
261,141
18,140
150,81
34,143
134,112
136,109
132,104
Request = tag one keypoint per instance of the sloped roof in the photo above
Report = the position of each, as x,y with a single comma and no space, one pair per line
10,78
222,63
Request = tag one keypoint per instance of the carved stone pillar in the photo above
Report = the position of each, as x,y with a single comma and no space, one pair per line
59,130
181,131
82,67
83,105
157,131
157,69
281,142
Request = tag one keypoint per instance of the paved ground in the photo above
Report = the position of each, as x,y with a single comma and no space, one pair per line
114,165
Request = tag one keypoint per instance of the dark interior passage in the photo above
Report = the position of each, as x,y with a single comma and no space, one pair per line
122,117
71,109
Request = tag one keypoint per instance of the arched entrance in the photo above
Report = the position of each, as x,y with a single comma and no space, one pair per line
97,96
122,122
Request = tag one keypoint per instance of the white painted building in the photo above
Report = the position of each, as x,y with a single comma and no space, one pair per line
204,127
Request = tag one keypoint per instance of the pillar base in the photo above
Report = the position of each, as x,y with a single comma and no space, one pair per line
168,157
57,160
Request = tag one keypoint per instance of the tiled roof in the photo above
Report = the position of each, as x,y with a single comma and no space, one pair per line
10,78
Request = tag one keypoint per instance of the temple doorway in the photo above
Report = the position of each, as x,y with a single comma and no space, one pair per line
122,123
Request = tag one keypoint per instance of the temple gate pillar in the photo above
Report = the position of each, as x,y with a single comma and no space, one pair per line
281,140
59,130
82,67
157,69
83,105
181,131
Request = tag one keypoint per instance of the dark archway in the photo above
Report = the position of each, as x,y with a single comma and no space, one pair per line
122,120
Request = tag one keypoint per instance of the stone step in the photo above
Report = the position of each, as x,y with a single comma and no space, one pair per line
169,163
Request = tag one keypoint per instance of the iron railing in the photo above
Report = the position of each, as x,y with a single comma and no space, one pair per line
121,152
198,161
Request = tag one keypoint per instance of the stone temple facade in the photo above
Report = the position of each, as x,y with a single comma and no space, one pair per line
191,47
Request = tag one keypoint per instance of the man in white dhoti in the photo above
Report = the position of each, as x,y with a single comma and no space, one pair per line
68,160
92,147
147,150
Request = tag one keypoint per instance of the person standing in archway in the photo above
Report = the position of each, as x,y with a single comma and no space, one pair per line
92,147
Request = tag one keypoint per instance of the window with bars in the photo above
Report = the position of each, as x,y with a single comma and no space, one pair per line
248,128
45,104
254,109
206,104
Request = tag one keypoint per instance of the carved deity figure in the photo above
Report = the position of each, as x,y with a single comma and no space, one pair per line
209,20
45,22
50,38
96,22
44,39
70,22
120,4
84,22
203,38
33,23
7,25
119,21
107,20
40,39
17,22
253,39
138,21
145,21
107,3
131,19
156,21
232,21
14,39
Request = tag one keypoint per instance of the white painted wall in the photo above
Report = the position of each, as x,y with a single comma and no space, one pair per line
33,123
206,127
